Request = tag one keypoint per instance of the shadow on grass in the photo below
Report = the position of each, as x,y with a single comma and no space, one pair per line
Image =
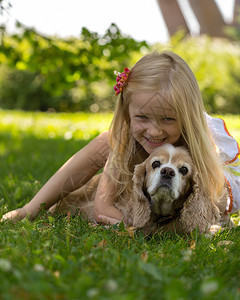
28,162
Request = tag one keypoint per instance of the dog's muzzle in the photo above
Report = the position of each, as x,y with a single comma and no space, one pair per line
167,173
166,176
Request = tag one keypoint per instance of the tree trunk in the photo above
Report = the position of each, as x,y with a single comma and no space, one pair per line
209,17
173,16
236,14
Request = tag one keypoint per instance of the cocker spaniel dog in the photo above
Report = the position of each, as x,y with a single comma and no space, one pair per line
166,193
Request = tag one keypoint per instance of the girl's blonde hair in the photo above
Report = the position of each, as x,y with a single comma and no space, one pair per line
171,78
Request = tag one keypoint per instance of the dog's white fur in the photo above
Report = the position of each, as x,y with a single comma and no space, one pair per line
165,184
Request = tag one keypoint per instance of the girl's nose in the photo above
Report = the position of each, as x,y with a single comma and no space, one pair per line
155,131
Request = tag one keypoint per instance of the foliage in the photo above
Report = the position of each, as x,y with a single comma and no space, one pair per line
21,89
66,258
233,31
71,74
76,74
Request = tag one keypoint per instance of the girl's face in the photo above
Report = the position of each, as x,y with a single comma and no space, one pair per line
153,121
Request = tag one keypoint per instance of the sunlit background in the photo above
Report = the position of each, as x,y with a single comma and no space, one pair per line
141,19
59,55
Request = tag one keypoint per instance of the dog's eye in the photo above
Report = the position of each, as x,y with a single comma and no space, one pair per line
156,164
183,170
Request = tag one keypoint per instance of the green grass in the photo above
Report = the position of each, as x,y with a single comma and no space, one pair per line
60,258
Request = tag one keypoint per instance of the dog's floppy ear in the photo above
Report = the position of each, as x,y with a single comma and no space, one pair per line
198,210
139,205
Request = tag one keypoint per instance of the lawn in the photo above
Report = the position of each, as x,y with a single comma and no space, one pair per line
66,258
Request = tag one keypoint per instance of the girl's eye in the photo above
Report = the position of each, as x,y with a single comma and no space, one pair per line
142,117
168,119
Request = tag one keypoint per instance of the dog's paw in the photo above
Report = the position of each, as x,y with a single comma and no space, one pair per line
213,230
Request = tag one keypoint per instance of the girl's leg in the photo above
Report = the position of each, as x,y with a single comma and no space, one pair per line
73,174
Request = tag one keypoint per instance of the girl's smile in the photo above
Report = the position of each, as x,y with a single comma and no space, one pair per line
155,142
153,121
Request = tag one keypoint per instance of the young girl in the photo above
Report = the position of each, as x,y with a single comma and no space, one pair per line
158,102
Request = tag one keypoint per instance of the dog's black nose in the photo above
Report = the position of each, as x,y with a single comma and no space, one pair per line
167,173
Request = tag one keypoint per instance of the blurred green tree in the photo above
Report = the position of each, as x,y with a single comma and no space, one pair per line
72,74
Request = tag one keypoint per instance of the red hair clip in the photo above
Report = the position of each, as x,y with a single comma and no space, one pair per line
122,79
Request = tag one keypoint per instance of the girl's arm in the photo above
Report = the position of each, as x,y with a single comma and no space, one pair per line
73,174
104,209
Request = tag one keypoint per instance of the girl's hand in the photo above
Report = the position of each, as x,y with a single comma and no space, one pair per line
14,215
108,220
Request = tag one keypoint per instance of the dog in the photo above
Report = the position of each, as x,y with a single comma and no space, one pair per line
166,193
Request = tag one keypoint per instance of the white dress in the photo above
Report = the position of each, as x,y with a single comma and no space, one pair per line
229,152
